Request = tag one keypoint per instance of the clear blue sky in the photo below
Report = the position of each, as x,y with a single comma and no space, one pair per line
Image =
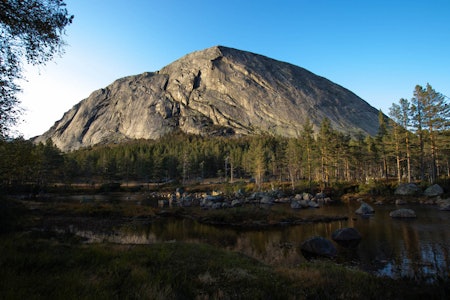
378,49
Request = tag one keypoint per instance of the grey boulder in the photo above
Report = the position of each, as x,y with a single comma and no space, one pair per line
403,213
318,247
365,209
347,237
407,189
433,191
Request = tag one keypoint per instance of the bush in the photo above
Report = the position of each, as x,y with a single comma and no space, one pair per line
377,188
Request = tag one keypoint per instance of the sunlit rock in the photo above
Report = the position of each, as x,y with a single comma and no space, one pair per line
216,91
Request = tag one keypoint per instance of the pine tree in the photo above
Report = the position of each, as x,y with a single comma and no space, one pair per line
395,114
430,115
307,144
293,160
381,138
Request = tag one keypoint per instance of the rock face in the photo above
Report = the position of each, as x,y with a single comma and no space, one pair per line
217,91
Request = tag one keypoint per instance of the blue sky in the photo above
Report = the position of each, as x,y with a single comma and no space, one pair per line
378,49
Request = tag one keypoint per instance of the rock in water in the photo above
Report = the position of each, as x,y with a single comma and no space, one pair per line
295,205
403,213
346,234
365,209
433,191
444,204
318,246
216,91
407,189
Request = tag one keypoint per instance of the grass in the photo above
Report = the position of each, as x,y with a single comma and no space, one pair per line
46,265
37,267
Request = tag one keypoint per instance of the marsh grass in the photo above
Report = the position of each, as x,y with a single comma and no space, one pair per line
46,266
38,264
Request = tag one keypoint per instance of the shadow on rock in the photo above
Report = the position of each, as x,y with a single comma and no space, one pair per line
317,247
347,237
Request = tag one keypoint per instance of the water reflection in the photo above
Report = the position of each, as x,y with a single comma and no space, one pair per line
418,249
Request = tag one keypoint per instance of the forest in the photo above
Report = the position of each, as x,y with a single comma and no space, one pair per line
413,144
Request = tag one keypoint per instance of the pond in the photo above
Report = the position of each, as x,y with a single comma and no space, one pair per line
418,249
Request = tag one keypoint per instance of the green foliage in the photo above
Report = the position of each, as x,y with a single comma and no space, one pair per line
29,167
377,188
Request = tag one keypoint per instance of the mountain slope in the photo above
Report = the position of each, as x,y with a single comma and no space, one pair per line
216,91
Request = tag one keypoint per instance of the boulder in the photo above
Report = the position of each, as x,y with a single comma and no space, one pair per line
307,196
216,205
328,200
239,193
433,191
403,213
400,202
427,202
179,192
346,234
212,198
257,196
295,205
444,204
318,247
283,200
407,189
226,205
320,195
347,237
267,200
236,203
216,193
365,209
304,203
313,204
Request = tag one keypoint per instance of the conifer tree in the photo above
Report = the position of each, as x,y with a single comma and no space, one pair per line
307,141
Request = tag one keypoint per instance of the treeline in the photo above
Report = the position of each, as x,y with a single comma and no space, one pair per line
414,144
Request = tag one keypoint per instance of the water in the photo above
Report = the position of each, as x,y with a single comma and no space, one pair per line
418,249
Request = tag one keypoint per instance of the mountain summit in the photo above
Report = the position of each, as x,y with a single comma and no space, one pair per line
216,91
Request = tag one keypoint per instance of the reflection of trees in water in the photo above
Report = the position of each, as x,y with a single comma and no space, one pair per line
416,248
271,247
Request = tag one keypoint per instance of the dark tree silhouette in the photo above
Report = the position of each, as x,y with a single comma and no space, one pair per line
30,31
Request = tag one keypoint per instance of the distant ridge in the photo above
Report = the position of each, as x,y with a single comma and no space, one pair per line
216,91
